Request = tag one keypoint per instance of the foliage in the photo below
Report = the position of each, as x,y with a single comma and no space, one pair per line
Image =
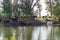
7,8
10,9
57,9
26,10
54,7
14,7
27,7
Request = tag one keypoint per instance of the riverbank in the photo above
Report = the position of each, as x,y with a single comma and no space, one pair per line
23,23
56,22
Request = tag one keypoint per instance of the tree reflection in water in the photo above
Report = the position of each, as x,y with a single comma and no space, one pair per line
30,33
1,33
41,33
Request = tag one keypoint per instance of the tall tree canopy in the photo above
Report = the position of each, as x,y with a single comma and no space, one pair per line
7,8
19,7
27,7
54,7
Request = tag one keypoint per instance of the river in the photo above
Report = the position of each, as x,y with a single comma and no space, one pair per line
48,32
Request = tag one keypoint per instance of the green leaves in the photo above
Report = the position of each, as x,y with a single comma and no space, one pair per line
15,9
54,7
57,9
26,8
7,8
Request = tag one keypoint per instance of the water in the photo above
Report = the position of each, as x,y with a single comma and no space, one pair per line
48,32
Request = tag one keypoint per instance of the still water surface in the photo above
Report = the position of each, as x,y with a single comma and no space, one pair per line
48,32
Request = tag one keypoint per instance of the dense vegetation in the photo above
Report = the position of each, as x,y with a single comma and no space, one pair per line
15,9
54,8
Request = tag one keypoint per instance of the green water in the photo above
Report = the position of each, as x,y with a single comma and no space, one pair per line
30,33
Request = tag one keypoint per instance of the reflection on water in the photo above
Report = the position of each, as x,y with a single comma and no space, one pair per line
1,33
30,33
35,33
41,33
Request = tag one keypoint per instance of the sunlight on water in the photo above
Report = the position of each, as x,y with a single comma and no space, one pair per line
35,33
13,31
20,33
1,36
41,33
45,33
1,33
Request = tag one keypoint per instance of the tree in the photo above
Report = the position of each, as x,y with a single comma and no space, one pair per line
10,8
54,8
39,8
7,8
27,7
49,6
14,7
56,11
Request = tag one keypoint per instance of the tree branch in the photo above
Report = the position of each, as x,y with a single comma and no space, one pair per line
35,4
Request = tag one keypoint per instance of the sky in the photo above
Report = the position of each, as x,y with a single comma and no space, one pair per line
0,4
43,7
43,11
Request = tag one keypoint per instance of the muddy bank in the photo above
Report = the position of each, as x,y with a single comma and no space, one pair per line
56,22
15,22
